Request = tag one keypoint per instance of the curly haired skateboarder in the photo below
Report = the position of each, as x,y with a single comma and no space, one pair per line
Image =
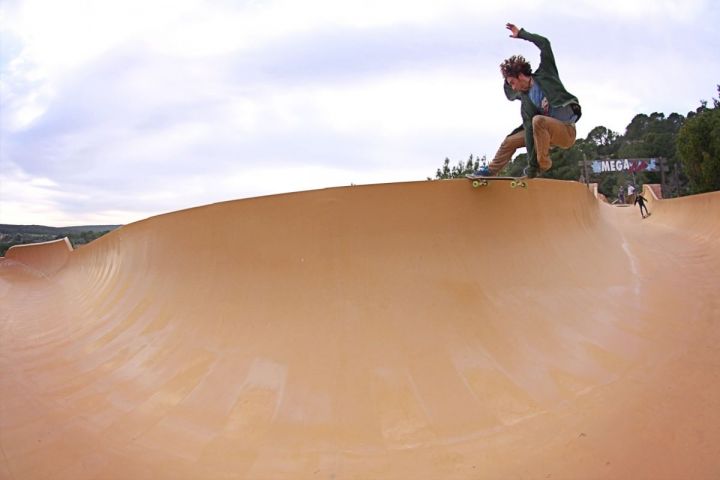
548,111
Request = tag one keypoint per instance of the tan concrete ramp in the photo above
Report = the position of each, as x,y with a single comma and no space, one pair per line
409,331
45,257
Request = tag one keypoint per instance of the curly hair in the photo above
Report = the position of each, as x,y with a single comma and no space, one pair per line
514,66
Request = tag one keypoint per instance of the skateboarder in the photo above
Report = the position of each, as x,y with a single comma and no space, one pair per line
548,111
640,200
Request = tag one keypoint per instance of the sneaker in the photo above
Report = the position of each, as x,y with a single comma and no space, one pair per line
483,171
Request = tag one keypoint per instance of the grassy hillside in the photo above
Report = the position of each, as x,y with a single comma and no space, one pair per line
21,234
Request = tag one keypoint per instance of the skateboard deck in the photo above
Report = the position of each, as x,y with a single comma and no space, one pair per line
483,181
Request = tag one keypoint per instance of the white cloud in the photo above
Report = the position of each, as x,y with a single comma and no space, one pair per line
645,10
26,199
62,35
149,106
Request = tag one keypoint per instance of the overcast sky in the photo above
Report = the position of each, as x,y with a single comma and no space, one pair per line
116,110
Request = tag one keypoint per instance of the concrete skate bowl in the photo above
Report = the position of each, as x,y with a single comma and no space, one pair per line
424,330
45,258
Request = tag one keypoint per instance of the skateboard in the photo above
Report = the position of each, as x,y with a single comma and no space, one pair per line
483,181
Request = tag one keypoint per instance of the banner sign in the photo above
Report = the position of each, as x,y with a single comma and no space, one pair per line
626,165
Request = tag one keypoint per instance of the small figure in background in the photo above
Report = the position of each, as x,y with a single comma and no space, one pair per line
640,200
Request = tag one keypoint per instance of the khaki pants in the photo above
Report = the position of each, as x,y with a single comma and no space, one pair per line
548,132
506,151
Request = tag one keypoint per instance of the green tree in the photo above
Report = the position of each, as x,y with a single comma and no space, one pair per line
646,136
651,136
565,163
516,167
698,145
604,140
459,170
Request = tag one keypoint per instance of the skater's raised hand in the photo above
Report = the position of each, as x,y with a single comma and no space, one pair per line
515,30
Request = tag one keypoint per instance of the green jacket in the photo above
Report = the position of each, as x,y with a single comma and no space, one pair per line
548,79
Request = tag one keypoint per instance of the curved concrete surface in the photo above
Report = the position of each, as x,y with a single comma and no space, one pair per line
420,330
45,257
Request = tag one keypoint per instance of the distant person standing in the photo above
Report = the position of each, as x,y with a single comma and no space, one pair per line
630,193
621,195
640,200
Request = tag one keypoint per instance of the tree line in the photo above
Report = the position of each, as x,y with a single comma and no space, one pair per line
689,144
22,234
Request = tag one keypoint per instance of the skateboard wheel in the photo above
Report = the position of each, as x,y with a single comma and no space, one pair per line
475,183
514,184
